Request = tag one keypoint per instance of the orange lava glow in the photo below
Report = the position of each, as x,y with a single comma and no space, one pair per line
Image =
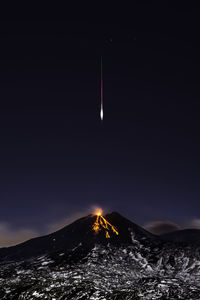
101,223
98,212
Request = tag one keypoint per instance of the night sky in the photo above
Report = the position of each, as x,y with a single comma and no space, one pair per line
57,159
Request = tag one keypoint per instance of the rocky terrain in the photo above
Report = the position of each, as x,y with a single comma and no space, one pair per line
76,263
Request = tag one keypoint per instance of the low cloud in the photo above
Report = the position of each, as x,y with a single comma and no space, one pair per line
10,236
162,227
194,223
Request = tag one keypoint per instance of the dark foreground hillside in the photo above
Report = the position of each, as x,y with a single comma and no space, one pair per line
76,263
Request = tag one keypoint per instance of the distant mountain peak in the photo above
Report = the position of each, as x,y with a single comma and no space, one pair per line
183,236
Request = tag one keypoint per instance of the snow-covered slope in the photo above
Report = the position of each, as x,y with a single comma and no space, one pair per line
141,267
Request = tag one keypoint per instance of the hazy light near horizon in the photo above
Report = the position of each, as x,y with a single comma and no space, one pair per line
10,236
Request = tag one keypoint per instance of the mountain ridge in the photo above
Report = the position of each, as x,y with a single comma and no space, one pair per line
189,235
79,231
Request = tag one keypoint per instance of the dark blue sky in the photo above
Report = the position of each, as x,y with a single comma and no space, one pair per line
57,158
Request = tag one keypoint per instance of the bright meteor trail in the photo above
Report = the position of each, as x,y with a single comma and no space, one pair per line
101,111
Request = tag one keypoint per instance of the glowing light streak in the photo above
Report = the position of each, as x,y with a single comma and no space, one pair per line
101,223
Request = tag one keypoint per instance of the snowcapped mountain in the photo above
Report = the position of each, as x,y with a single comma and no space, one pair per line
77,263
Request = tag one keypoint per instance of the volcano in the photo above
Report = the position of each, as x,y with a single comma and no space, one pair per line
79,232
108,257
